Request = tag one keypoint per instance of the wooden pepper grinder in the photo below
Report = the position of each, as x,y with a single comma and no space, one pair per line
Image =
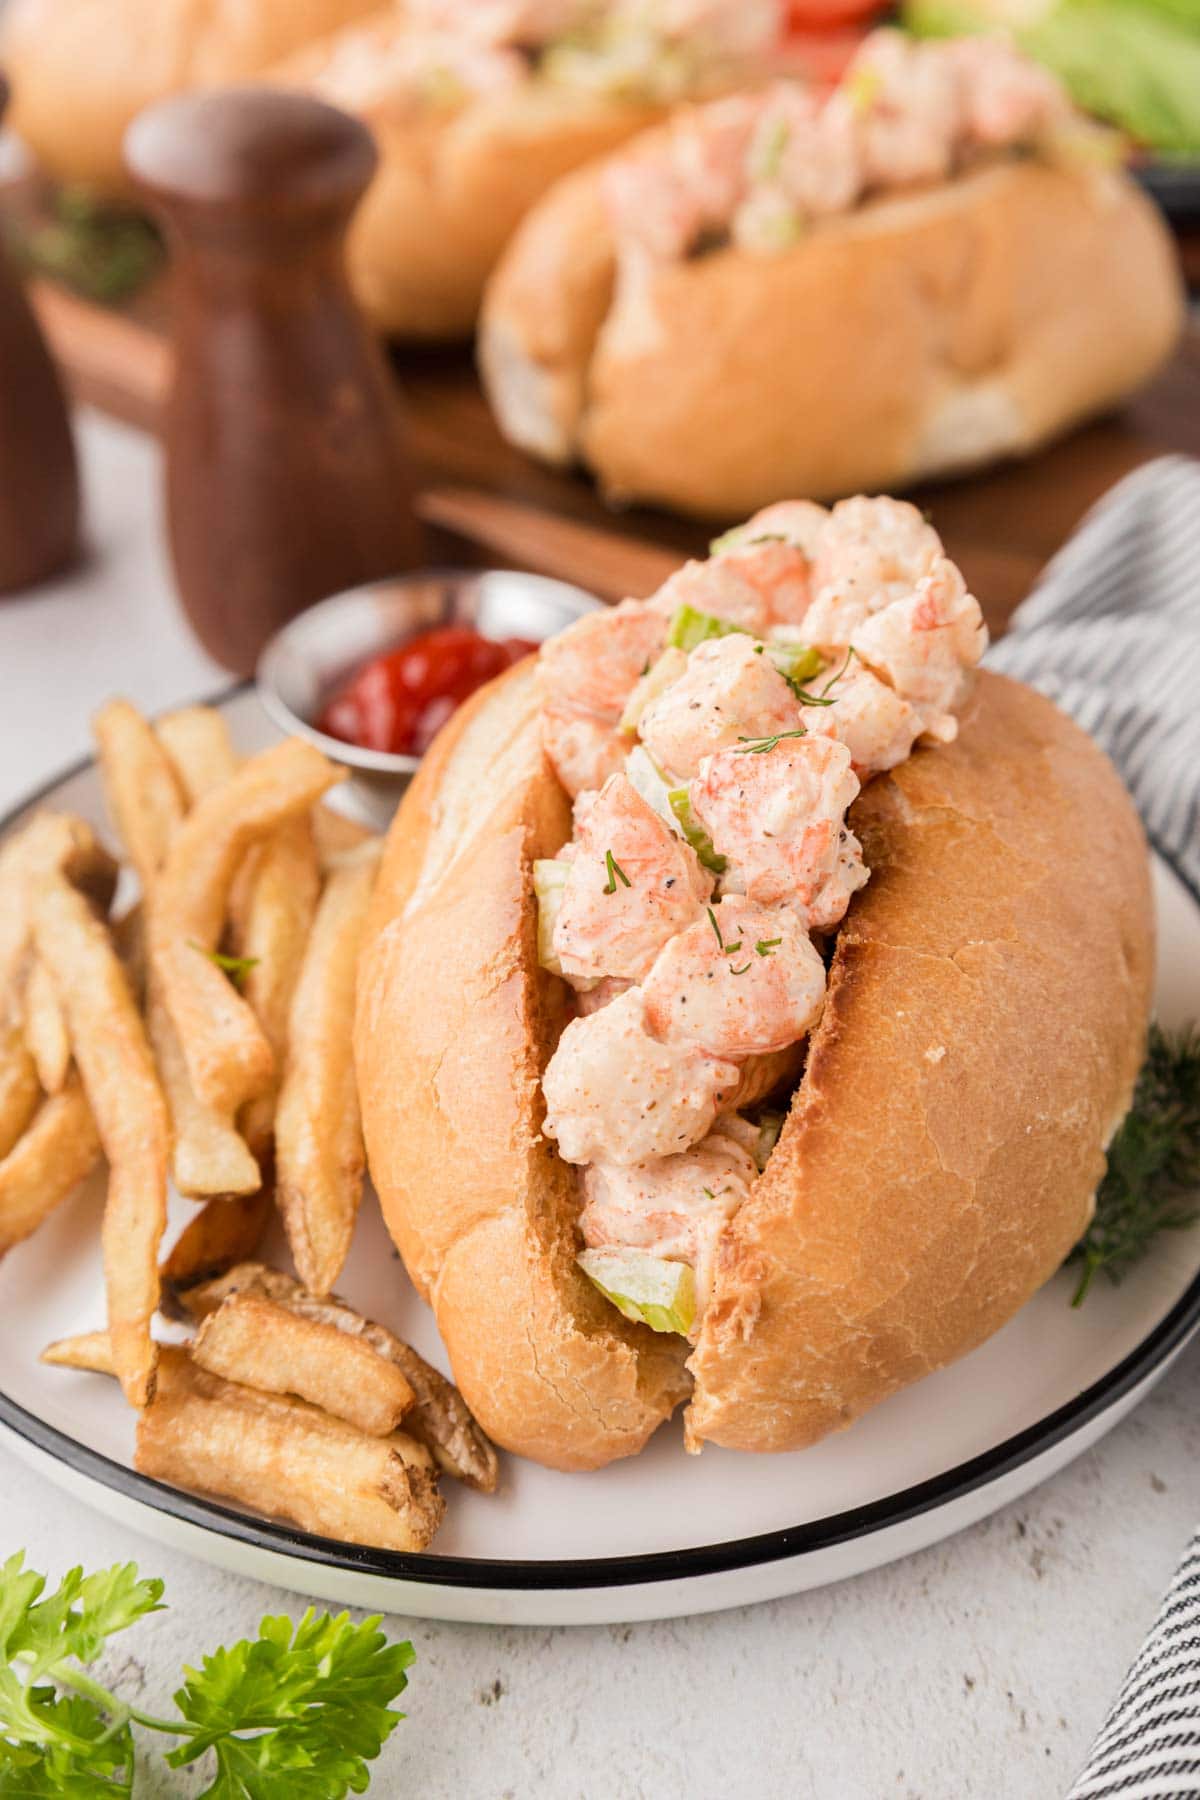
286,473
39,477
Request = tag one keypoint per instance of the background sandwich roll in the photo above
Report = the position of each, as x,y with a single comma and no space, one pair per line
915,335
81,70
453,182
986,1015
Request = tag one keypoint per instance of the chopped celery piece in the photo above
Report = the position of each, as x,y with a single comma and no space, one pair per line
549,879
770,1125
795,662
647,1289
646,778
669,667
695,834
690,626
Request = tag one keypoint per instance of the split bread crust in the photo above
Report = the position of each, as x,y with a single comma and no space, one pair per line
913,336
985,1020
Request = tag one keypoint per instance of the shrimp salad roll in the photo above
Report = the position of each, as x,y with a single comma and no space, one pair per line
938,263
751,992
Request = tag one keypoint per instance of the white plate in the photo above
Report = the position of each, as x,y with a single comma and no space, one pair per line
662,1534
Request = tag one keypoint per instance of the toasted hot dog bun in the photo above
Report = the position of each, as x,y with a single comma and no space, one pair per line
913,336
81,70
985,1020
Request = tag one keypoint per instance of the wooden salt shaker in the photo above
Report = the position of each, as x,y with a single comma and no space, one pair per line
286,473
39,477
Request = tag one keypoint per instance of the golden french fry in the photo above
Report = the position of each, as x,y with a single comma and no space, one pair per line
143,794
285,1458
45,1028
88,1350
147,799
20,1089
197,742
59,1150
265,1346
208,1154
110,1049
129,937
221,1234
49,842
440,1417
228,1056
280,905
319,1154
335,834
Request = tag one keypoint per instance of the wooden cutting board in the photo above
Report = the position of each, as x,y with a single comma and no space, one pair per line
1001,526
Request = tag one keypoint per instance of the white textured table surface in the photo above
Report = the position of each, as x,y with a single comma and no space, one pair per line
978,1668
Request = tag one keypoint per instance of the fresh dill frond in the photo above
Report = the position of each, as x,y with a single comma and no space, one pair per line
1152,1183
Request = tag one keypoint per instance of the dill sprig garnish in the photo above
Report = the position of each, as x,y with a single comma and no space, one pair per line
1152,1183
615,873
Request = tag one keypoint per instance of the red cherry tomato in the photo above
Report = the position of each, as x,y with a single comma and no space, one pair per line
399,701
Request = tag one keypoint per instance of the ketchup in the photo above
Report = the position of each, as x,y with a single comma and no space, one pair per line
400,700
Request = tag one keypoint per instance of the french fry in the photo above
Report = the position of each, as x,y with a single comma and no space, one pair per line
49,842
45,1028
285,1458
59,1150
90,1351
280,905
20,1089
114,1061
221,1234
276,1455
335,834
265,1346
440,1417
209,1156
319,1154
147,800
228,1056
197,742
143,794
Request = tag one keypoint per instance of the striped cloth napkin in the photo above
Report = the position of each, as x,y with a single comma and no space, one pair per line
1112,633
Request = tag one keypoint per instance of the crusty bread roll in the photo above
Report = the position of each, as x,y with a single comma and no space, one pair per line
452,185
81,70
984,1024
912,336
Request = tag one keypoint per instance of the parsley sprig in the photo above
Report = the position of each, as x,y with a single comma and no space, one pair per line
300,1709
1152,1182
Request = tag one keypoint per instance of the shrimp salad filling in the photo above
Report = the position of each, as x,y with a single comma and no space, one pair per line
445,52
712,739
759,170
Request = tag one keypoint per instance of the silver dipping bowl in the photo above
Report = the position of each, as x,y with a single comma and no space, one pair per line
316,651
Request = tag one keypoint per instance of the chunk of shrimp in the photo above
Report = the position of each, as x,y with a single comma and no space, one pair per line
661,202
779,816
877,725
776,569
743,981
809,148
529,22
674,1206
729,690
871,553
905,96
614,1094
584,750
592,666
715,587
632,885
1006,98
922,645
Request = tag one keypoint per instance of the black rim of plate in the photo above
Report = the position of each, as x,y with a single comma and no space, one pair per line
431,1570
